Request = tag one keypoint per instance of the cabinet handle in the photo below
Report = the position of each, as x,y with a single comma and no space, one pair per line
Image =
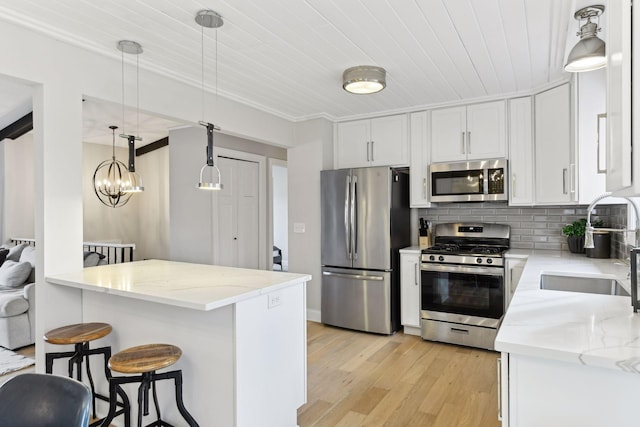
367,151
572,174
416,275
469,142
372,159
463,150
564,181
513,185
424,188
499,369
511,280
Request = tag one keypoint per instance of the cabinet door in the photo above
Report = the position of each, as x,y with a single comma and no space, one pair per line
419,160
449,134
619,153
486,131
554,178
410,289
389,142
353,145
520,152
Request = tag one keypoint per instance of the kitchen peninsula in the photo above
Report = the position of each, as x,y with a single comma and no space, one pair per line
242,333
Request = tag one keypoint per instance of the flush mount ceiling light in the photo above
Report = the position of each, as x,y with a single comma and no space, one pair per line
132,182
364,79
589,53
209,19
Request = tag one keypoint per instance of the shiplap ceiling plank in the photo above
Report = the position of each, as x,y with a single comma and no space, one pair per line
287,57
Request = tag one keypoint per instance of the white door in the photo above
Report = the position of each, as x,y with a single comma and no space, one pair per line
238,214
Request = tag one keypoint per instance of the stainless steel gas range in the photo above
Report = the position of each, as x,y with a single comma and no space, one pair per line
462,284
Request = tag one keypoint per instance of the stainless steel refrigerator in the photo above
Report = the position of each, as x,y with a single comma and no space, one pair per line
365,221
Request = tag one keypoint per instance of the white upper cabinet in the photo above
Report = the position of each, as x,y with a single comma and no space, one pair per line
520,151
620,157
591,139
554,167
419,159
469,132
376,142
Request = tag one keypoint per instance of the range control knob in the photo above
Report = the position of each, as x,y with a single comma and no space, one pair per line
479,260
440,258
432,258
489,261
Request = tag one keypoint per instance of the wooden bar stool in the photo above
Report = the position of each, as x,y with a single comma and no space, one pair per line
145,360
80,335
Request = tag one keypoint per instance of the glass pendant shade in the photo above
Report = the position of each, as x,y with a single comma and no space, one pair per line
212,184
109,177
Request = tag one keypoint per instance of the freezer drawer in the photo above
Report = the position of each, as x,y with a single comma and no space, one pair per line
357,299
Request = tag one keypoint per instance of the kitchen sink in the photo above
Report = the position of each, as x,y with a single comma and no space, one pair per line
604,285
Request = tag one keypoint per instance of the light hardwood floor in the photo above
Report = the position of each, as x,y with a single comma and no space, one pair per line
360,379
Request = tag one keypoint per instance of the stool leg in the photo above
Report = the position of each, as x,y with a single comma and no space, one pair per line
185,414
155,402
141,393
113,391
48,363
85,352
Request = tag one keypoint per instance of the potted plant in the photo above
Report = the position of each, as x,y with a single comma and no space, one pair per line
575,234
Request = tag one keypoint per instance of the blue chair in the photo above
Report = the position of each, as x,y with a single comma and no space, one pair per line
41,400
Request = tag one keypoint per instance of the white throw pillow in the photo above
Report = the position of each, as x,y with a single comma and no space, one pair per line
14,274
29,255
16,251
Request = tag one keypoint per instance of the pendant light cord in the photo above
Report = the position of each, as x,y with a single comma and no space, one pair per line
202,70
122,62
138,95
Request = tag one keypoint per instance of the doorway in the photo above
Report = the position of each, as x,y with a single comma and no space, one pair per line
279,214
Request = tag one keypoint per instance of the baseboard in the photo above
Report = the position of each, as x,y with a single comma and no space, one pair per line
411,330
313,315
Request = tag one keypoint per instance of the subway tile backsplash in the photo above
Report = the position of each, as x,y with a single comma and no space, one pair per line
531,227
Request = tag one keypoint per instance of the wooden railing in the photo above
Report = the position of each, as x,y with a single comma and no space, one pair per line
114,253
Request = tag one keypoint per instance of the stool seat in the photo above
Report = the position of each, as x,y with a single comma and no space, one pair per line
145,358
78,333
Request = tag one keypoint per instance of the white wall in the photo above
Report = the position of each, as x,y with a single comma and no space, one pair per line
313,153
18,168
280,211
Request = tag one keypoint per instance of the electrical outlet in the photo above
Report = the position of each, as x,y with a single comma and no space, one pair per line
275,299
298,227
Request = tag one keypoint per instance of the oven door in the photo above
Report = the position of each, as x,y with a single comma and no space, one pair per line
463,294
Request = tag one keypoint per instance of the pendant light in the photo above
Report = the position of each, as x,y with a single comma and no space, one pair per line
364,79
589,53
209,19
108,178
133,181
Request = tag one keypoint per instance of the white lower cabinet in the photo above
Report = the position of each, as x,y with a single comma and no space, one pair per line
410,291
544,392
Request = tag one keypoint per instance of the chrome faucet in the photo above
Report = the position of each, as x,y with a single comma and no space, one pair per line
588,235
635,252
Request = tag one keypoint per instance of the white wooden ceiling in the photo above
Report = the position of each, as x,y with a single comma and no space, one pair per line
287,56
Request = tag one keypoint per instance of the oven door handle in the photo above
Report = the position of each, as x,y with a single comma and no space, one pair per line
442,268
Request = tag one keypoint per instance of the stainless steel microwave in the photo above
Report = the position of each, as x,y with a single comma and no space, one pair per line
473,181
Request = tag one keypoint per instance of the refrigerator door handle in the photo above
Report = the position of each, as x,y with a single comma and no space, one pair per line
354,212
347,222
353,276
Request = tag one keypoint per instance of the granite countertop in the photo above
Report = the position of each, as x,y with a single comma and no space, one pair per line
589,329
194,286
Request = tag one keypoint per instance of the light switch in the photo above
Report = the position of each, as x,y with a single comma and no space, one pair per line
298,227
